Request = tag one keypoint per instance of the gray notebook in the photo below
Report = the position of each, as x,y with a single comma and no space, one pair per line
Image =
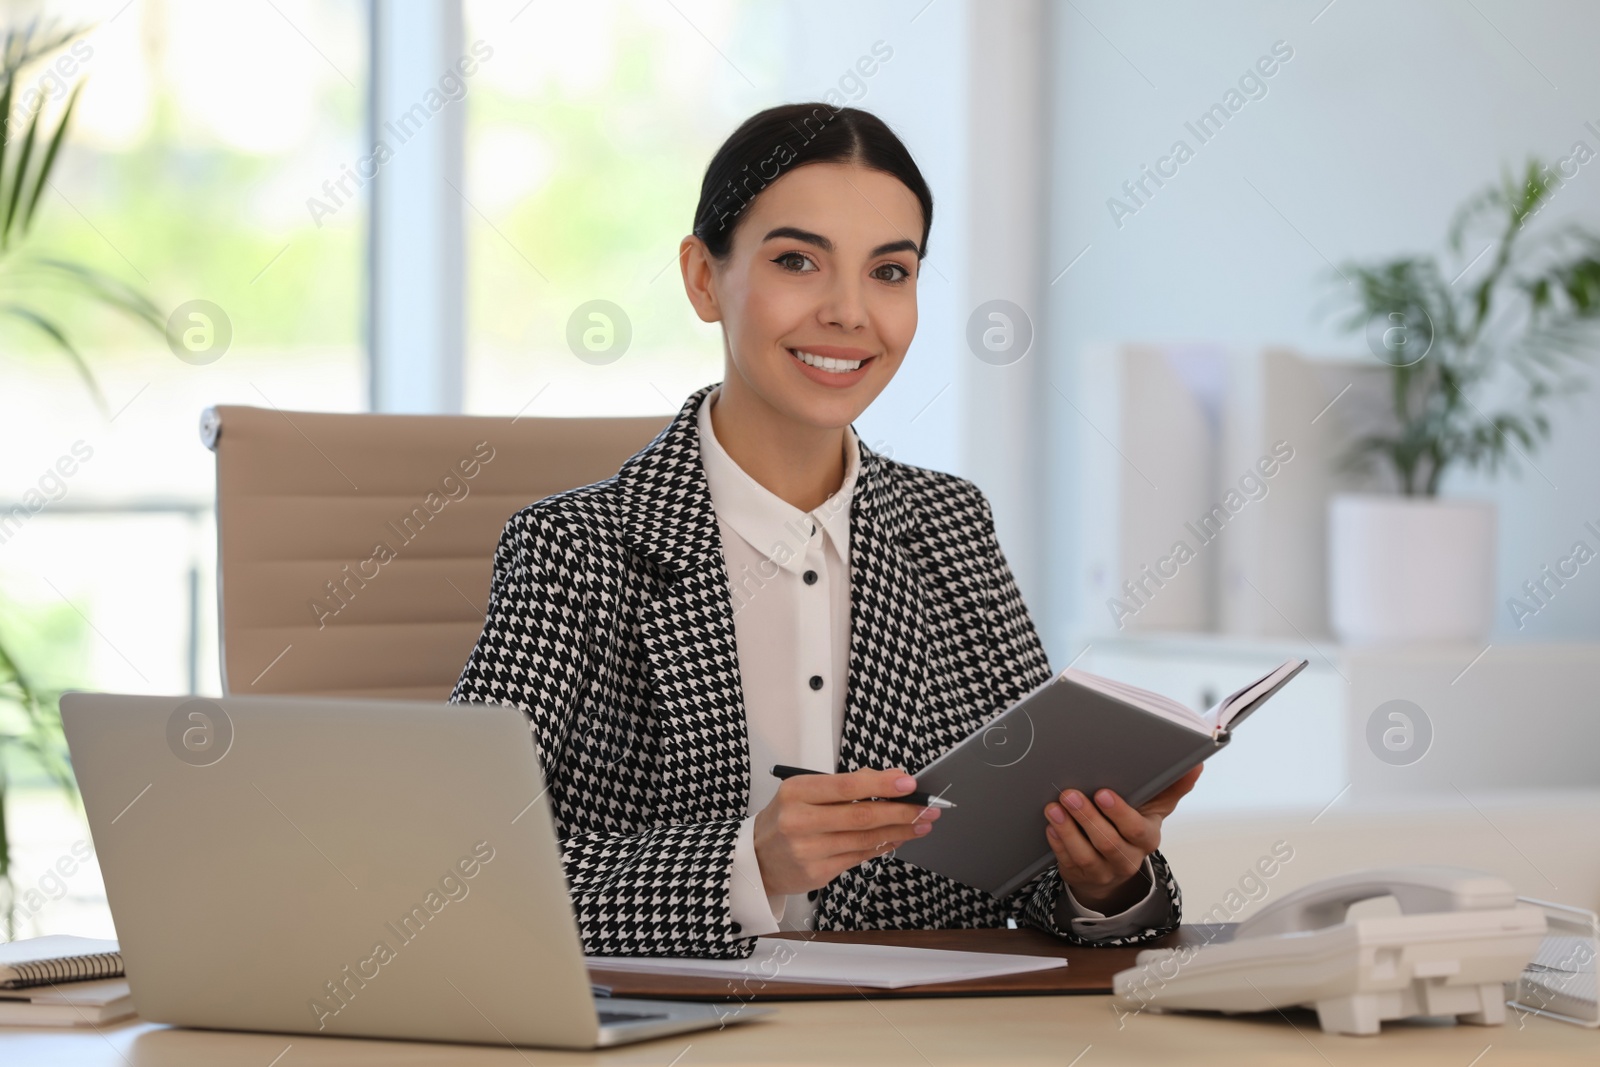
1077,730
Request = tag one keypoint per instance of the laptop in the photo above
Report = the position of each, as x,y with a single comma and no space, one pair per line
342,867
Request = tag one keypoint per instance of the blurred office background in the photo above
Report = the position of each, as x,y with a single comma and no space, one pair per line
205,162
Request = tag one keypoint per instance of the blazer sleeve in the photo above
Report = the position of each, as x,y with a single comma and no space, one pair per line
655,890
1020,658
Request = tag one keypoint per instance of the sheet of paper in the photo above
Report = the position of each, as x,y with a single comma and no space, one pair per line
52,946
836,963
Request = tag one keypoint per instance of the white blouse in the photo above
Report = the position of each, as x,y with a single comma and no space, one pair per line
789,577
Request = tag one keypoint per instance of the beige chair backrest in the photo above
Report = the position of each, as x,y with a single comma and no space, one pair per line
355,551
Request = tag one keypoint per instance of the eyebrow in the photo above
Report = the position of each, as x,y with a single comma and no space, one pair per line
794,232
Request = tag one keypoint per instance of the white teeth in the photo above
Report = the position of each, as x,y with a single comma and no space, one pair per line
837,366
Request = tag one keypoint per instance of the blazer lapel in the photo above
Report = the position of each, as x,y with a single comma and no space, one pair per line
686,623
888,655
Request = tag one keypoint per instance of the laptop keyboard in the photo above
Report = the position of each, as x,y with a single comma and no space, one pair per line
628,1016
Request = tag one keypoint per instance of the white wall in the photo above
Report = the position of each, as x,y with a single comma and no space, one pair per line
1385,118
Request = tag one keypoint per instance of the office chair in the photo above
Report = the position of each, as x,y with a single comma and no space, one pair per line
354,551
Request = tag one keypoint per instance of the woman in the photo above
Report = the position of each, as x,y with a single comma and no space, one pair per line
757,586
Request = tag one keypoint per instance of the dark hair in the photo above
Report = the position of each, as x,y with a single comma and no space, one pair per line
773,142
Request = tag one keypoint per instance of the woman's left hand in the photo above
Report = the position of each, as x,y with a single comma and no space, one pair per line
1100,846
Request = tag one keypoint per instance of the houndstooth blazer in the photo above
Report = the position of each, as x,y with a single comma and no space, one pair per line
610,624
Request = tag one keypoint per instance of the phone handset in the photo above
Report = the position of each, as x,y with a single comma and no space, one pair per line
1416,888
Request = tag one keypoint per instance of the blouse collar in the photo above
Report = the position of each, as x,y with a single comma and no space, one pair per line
773,526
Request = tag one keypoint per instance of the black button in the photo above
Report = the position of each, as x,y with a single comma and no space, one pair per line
816,681
737,927
810,577
811,895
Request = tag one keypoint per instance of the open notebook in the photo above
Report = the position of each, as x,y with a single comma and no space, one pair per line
1215,720
1074,731
838,963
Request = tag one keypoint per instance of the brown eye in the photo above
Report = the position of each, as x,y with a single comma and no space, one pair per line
904,274
792,262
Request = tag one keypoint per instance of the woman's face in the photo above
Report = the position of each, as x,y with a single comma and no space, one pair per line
823,262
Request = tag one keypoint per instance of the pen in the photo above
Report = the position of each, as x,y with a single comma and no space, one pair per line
919,798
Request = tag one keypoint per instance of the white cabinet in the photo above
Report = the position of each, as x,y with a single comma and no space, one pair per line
1496,717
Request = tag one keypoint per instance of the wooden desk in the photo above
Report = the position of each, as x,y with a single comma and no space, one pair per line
924,1032
926,1027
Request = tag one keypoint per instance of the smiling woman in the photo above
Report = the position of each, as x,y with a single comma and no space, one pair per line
885,625
814,282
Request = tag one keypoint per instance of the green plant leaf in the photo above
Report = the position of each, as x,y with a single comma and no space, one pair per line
41,739
5,118
54,332
11,674
5,851
19,179
1534,310
104,288
49,160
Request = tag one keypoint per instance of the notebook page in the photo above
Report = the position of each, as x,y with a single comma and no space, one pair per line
838,963
1155,703
1225,711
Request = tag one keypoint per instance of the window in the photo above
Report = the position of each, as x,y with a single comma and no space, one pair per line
202,132
586,141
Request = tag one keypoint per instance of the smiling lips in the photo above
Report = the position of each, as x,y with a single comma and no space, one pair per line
830,365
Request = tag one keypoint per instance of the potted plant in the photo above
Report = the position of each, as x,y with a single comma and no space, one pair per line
30,724
1471,367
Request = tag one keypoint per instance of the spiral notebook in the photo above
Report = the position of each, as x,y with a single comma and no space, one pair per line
57,958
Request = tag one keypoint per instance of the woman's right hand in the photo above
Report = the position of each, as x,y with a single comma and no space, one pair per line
819,825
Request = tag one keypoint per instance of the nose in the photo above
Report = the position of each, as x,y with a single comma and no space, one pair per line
845,305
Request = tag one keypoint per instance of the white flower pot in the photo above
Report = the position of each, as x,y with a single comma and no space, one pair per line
1410,568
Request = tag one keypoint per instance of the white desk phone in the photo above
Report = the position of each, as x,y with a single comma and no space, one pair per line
1460,937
